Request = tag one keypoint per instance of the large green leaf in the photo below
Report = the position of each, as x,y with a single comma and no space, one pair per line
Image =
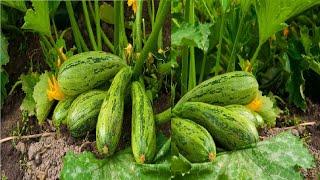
43,104
4,56
272,14
20,5
28,83
119,166
190,35
275,158
4,80
37,19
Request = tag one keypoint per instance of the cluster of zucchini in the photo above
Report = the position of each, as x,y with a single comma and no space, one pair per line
217,110
86,108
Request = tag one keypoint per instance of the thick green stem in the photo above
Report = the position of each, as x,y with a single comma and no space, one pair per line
231,65
150,44
255,55
185,70
208,11
138,34
107,41
192,66
75,28
54,28
88,24
203,65
56,48
216,67
116,31
97,19
163,117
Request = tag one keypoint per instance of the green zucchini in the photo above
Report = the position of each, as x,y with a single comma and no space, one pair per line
84,111
227,128
237,87
110,118
247,113
61,111
143,134
192,140
88,70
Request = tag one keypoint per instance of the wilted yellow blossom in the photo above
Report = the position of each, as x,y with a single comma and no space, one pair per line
133,3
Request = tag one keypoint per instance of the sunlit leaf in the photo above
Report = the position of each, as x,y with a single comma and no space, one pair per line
272,14
37,19
28,82
20,5
43,104
119,166
275,158
189,35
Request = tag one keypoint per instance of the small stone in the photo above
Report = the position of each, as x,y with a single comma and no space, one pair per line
21,147
31,152
37,159
295,132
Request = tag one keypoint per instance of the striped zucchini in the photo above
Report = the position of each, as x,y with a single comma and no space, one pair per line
247,113
83,113
227,128
237,87
110,118
61,111
86,71
143,134
192,140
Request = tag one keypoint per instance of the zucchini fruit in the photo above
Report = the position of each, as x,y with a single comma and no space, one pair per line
143,134
192,140
88,70
61,111
227,128
110,118
247,113
83,113
237,87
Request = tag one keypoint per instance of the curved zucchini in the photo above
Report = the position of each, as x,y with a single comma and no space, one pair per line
110,118
192,140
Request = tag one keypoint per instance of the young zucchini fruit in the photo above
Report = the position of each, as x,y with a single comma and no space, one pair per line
61,111
143,134
83,113
247,113
230,130
192,140
237,87
110,118
87,70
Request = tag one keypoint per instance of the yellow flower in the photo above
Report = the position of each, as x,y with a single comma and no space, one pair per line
54,91
286,32
133,3
128,50
256,104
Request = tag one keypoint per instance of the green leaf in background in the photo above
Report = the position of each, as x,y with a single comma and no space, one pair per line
119,166
4,59
37,19
20,5
107,13
53,6
43,104
296,82
272,14
4,56
275,158
28,83
4,81
189,35
224,4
